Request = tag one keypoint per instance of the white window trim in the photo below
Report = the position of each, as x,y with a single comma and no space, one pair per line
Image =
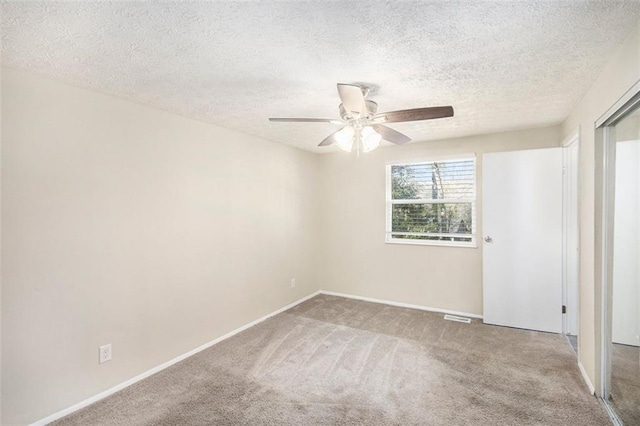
390,202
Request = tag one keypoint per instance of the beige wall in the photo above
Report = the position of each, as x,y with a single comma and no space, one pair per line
127,225
356,260
618,77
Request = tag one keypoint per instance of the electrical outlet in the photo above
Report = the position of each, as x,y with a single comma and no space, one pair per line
293,282
105,353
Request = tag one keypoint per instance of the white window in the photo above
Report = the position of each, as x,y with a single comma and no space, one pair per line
432,202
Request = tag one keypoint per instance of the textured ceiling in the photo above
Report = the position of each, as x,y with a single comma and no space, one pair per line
502,64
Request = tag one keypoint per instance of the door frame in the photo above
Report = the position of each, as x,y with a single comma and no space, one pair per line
571,243
605,155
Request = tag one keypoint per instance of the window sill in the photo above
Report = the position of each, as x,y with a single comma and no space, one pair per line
433,243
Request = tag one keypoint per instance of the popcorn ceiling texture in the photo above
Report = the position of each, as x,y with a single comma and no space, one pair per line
502,64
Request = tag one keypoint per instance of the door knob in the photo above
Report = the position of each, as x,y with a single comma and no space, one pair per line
488,239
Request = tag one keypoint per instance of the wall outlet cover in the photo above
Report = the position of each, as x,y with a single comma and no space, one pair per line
105,353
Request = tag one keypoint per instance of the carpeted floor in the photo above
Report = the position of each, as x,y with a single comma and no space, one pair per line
337,361
625,383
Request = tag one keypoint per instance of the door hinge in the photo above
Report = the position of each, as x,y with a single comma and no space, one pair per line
564,309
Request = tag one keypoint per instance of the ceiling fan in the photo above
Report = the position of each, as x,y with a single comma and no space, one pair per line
363,125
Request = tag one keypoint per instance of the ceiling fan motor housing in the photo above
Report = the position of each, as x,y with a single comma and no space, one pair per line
370,106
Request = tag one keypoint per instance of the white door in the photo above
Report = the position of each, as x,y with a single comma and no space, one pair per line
522,245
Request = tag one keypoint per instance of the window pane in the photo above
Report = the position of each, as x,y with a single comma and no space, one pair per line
433,181
438,218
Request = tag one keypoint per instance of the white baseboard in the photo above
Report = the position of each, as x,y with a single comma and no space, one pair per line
161,367
592,389
401,304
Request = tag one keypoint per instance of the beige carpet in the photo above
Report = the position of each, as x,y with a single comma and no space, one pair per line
336,361
625,383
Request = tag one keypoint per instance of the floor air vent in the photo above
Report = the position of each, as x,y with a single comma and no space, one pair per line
457,319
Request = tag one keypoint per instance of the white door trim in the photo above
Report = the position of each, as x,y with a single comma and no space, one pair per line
605,145
571,242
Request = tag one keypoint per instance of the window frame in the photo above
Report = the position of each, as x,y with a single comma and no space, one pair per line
441,243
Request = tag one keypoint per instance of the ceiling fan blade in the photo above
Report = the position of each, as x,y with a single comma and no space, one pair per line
352,98
391,135
415,114
329,140
307,120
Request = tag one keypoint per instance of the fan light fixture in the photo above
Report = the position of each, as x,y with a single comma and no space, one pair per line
346,138
370,139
